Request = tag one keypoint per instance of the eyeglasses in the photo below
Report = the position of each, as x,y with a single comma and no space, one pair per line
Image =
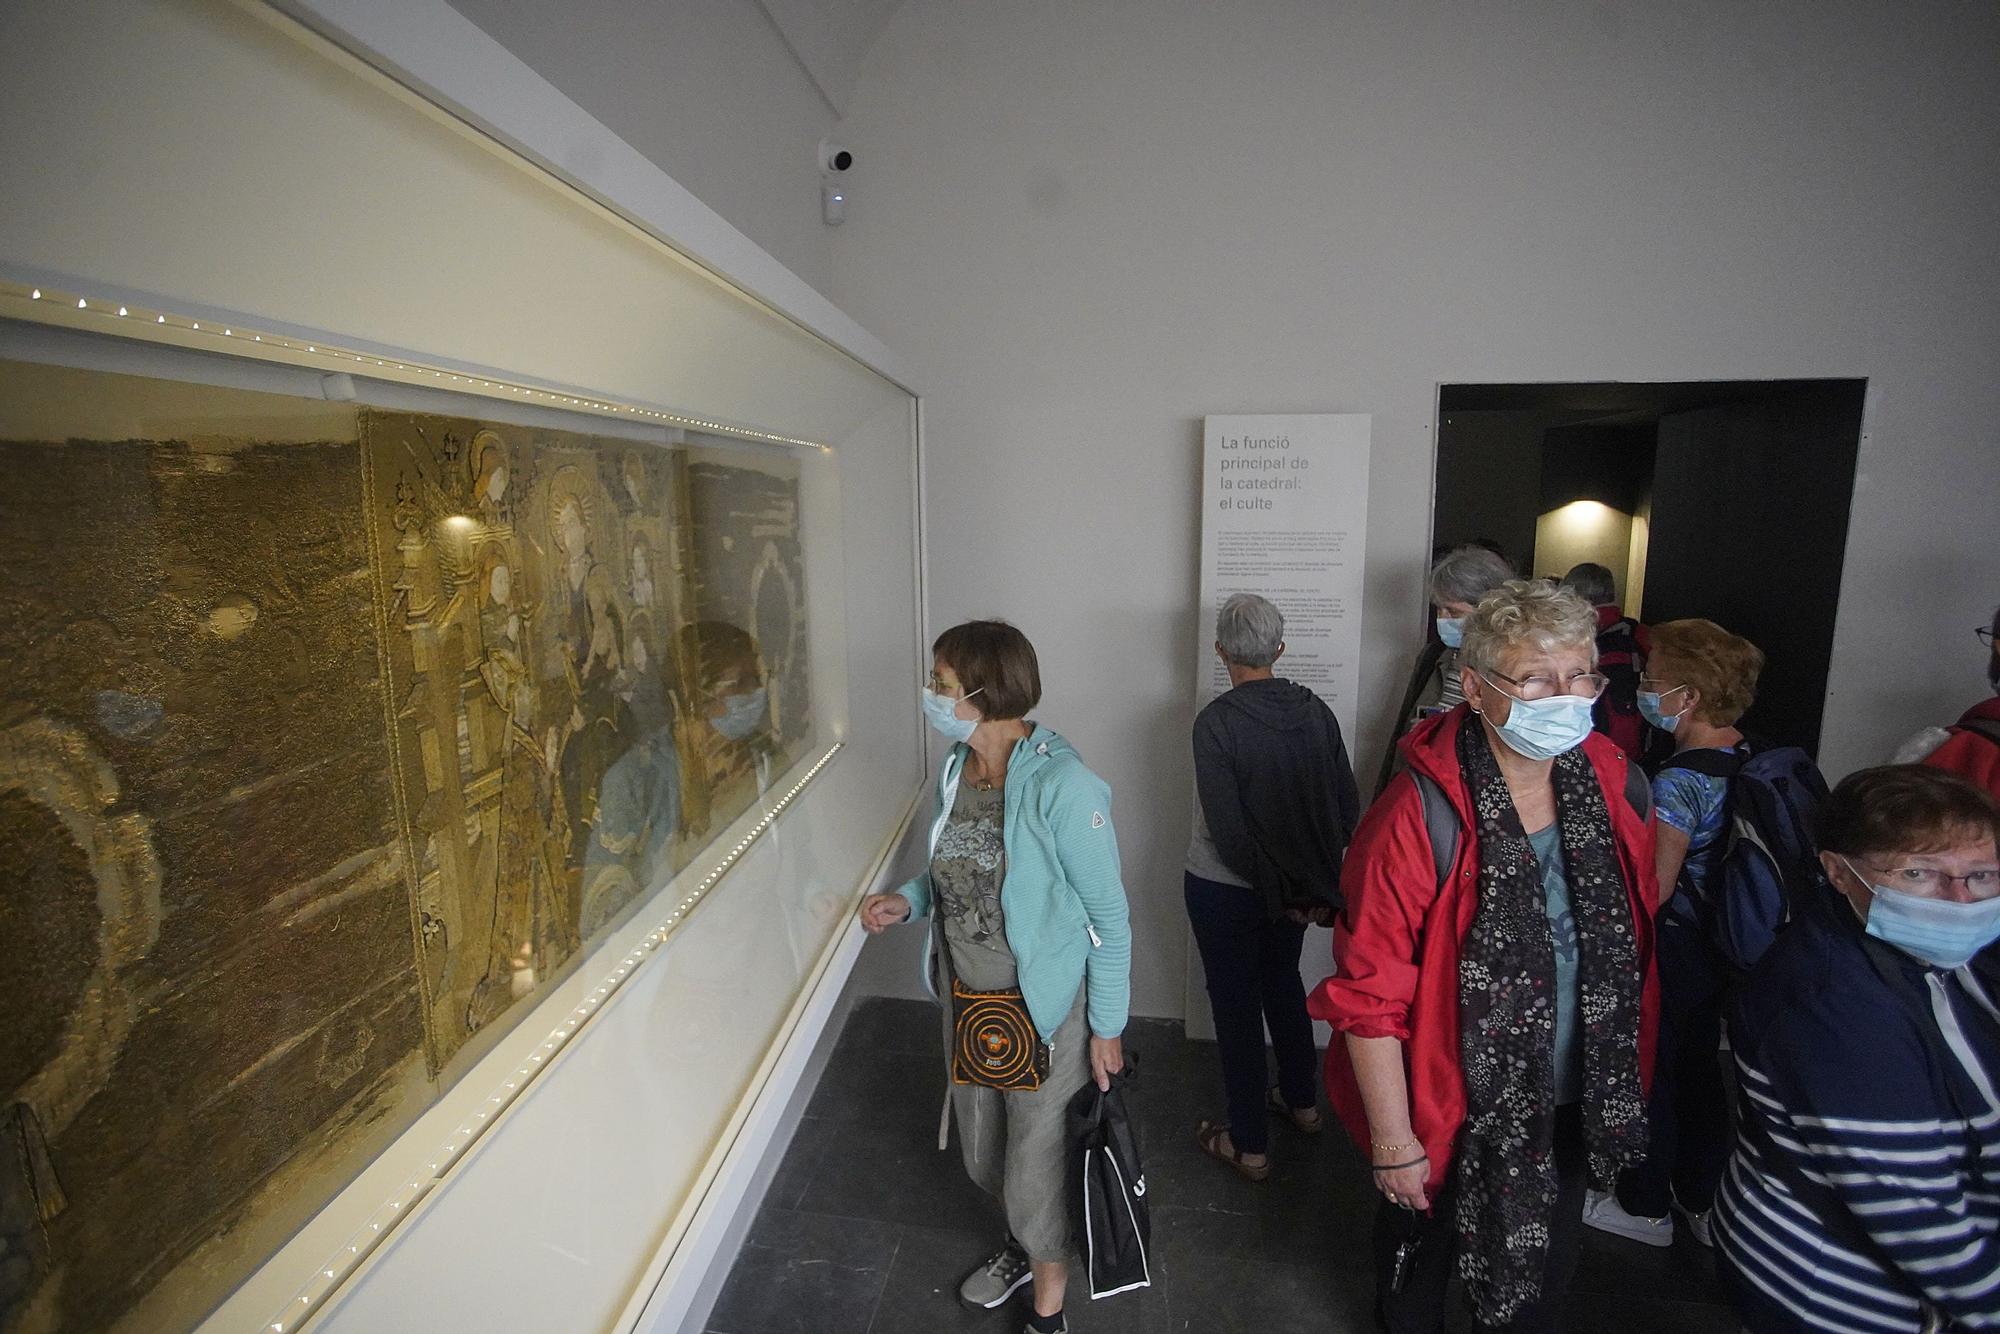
937,685
1587,684
1659,687
1985,635
1931,882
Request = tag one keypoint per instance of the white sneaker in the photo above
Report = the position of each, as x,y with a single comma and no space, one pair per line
1698,1226
1601,1211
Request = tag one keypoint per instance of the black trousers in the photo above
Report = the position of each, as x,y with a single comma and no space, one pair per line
1420,1308
1252,966
1690,1135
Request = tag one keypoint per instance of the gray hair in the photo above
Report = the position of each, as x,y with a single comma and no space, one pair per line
1250,630
1527,613
1593,583
1467,574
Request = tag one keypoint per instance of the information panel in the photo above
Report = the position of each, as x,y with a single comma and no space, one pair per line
1284,513
1284,504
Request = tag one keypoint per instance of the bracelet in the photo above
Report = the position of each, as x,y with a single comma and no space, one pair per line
1405,1146
1417,1161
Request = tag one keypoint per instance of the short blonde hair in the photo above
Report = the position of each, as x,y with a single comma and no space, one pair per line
1722,666
1527,613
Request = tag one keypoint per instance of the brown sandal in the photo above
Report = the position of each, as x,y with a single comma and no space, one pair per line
1305,1120
1209,1135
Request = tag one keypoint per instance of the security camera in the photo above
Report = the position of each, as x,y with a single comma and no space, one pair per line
833,159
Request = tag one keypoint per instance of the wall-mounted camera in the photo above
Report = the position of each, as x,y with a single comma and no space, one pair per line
835,161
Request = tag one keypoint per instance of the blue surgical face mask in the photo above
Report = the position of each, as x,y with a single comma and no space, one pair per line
1542,729
1940,932
1649,709
741,714
1451,631
941,712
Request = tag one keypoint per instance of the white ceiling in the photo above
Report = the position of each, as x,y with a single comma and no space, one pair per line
830,38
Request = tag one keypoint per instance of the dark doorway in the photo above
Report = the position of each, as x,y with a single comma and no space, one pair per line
1721,499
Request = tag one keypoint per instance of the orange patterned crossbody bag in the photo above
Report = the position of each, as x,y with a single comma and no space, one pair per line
993,1040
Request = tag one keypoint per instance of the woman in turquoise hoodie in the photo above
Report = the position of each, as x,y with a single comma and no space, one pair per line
1022,892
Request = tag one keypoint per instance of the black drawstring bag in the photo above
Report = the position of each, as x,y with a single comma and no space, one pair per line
1113,1224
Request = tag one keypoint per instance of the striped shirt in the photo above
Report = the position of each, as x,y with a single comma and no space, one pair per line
1450,693
1864,1193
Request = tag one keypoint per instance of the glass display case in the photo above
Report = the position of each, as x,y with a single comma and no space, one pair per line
432,775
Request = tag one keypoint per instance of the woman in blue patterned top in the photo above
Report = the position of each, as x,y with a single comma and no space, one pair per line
1699,680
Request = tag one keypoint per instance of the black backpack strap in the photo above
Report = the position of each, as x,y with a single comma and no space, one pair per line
1638,791
1440,822
1714,763
1427,663
1986,727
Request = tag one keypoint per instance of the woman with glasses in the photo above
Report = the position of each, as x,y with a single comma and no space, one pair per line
1864,1193
1698,682
1030,948
1493,988
1970,747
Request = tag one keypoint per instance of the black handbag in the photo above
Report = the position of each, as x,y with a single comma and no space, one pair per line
1113,1220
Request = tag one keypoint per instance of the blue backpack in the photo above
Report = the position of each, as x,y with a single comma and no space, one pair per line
1768,870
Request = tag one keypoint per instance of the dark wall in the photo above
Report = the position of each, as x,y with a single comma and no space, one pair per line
1609,462
1750,505
1751,483
1490,479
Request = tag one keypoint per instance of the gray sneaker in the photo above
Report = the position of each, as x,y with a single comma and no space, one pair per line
998,1279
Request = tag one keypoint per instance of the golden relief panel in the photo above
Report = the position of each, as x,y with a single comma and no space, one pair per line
578,697
329,738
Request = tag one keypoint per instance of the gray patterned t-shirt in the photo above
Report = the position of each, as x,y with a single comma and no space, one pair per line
967,869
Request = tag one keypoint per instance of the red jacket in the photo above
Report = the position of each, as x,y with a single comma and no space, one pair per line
1396,944
1968,754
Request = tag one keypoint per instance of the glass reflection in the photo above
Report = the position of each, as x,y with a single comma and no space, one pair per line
337,735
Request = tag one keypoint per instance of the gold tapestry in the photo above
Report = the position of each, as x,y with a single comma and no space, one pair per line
329,738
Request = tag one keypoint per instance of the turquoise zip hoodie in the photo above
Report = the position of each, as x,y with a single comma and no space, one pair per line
1062,900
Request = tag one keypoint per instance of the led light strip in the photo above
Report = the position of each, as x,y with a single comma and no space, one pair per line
337,359
314,1292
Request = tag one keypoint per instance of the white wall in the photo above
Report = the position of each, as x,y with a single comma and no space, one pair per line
708,89
1093,224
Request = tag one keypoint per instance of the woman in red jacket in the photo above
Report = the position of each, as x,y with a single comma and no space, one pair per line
1494,988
